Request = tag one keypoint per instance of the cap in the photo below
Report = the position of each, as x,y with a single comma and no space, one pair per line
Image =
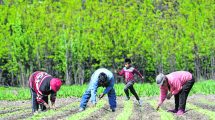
160,79
55,84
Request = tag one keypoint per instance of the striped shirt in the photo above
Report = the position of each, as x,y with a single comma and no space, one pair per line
129,73
40,82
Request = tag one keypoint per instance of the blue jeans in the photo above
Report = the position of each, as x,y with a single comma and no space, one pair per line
111,98
35,105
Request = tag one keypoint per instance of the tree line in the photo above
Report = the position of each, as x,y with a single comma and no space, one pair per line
71,38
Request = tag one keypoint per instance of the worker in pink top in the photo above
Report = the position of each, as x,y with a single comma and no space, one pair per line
179,84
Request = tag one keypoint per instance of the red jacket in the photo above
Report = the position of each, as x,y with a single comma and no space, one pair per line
40,83
129,73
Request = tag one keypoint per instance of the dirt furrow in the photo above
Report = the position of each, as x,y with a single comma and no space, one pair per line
205,106
14,104
190,114
64,108
22,109
63,115
15,115
112,115
98,115
19,116
149,113
12,110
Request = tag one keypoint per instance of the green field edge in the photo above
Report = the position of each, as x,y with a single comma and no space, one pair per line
127,111
209,113
84,114
163,114
50,113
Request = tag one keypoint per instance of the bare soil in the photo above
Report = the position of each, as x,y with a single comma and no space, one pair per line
22,109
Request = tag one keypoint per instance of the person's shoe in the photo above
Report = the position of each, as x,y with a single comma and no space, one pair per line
127,98
180,112
173,111
35,113
113,109
81,109
140,102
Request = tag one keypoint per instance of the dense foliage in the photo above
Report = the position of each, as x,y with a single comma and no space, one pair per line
71,38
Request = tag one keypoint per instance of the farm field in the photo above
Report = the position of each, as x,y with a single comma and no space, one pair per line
71,39
199,107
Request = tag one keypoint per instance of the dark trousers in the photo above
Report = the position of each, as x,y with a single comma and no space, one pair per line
129,86
181,97
35,105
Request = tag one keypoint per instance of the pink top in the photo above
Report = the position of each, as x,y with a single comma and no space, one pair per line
176,80
129,73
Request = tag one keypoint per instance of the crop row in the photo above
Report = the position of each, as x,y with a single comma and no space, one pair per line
145,89
70,111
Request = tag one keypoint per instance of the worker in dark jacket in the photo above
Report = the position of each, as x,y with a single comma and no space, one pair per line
41,85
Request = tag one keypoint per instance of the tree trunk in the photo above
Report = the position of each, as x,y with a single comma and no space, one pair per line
1,2
28,72
75,74
114,68
80,74
212,67
13,80
197,63
172,63
159,67
38,59
68,75
22,78
1,77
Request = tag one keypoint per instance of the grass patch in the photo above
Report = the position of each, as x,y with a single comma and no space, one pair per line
127,111
146,89
204,101
203,87
210,114
163,114
84,114
54,112
7,108
3,116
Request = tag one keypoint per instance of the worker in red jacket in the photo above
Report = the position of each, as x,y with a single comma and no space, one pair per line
41,85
